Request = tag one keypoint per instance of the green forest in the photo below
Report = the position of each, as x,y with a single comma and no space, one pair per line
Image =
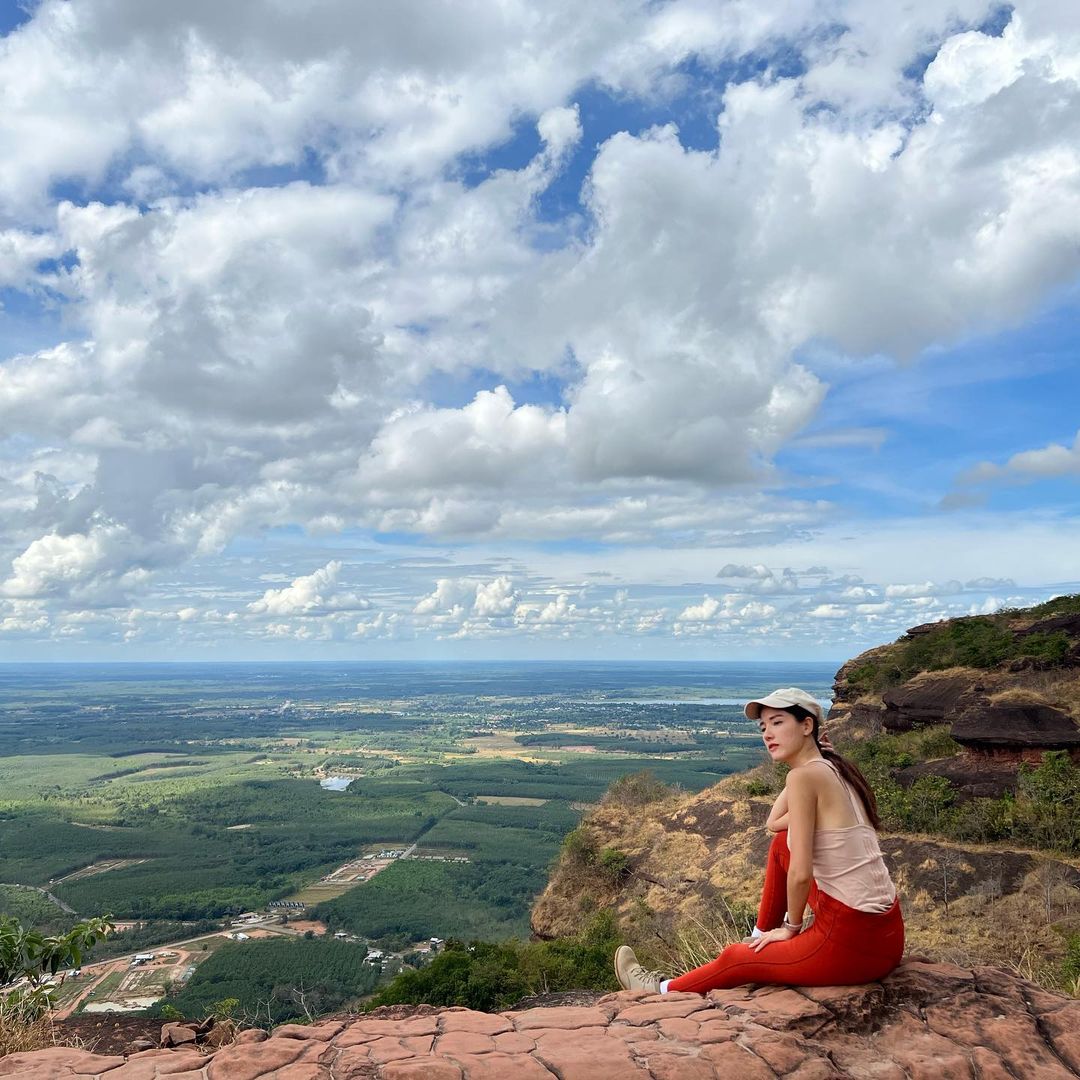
191,863
510,849
276,981
496,975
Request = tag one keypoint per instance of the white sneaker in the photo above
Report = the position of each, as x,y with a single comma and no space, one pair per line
631,975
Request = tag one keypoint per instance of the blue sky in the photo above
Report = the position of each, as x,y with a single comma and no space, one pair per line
651,330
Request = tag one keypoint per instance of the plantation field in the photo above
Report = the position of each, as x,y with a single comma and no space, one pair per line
276,980
33,908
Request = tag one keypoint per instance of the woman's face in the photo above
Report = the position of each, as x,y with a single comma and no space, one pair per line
783,735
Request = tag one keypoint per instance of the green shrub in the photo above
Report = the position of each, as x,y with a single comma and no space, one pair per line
935,742
929,803
1048,802
1059,605
614,864
759,786
1050,649
579,847
978,641
32,958
636,789
1070,966
1044,813
489,976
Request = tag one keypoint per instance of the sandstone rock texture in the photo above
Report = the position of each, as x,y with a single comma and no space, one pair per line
924,1020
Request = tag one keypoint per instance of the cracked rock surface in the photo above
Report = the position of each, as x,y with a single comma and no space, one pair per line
924,1020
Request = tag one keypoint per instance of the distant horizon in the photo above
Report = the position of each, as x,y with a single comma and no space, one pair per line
399,660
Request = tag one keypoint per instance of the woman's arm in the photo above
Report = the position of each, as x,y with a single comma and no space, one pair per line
802,821
778,815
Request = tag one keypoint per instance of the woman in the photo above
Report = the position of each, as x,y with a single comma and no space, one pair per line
824,855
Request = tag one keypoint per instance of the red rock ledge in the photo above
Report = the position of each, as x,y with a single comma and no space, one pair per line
924,1020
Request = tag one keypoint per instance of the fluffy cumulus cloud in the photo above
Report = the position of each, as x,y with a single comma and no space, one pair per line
310,594
322,269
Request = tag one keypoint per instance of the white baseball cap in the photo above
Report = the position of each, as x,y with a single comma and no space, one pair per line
783,699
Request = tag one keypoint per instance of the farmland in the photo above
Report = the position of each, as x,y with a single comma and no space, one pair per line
175,793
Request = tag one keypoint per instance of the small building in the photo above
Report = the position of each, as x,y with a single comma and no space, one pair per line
240,936
142,958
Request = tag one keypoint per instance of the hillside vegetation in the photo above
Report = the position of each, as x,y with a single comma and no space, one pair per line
983,642
967,731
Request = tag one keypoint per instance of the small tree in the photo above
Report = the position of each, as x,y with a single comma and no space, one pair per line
949,864
29,959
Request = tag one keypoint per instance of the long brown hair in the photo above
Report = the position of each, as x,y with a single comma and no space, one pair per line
847,769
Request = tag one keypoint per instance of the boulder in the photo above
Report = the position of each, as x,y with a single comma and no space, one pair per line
929,699
972,776
1069,624
137,1046
177,1034
1028,726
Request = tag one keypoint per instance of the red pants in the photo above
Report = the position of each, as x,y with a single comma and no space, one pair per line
841,948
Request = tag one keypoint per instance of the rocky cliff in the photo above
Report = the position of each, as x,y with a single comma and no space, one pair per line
1008,685
922,1021
682,872
695,865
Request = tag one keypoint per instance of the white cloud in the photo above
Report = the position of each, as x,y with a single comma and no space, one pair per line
311,594
495,598
103,564
20,254
927,588
346,350
456,598
830,611
761,579
384,625
1029,465
488,442
707,610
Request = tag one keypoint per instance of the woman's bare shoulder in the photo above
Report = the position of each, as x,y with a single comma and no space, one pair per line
804,777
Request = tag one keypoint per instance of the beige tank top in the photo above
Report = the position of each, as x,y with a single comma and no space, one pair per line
848,865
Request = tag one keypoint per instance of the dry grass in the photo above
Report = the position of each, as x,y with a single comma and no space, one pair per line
19,1035
1021,695
1058,688
1015,931
696,941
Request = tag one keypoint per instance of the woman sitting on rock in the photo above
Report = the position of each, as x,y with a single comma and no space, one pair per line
824,855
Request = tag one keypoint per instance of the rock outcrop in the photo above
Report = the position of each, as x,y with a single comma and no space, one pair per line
695,858
923,1021
1012,694
1024,729
931,698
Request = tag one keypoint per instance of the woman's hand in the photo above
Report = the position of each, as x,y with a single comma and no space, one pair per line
781,933
823,740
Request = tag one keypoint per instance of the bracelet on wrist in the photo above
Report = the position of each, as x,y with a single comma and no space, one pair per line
795,928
